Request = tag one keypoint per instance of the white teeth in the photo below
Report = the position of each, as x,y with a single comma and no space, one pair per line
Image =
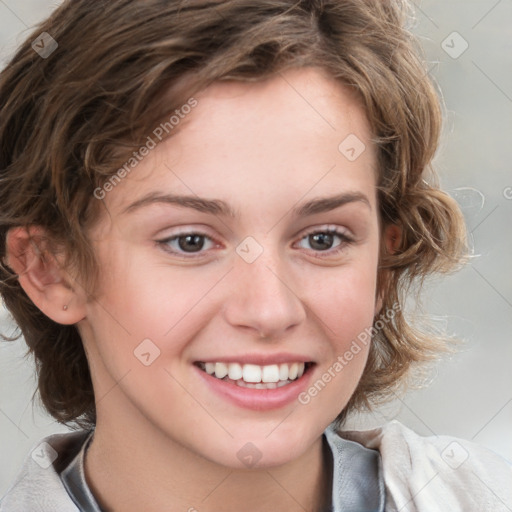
262,385
292,371
270,376
221,370
235,371
283,372
270,373
251,373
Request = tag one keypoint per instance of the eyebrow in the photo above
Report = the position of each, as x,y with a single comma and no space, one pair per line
326,204
220,207
214,206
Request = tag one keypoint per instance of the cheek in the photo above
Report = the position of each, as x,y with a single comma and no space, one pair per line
344,303
141,299
345,299
345,307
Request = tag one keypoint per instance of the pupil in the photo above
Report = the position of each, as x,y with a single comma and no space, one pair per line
321,241
191,243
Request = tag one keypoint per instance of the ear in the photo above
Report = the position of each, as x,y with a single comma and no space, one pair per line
391,240
42,277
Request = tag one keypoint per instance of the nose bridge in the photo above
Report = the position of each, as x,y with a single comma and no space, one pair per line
262,295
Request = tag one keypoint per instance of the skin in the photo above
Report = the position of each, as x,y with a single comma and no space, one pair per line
164,440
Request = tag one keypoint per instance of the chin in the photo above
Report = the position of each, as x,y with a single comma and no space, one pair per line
263,449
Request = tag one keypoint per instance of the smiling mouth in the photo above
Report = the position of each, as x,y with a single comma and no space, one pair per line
255,376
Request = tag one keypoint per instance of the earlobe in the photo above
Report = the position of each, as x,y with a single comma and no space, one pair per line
41,276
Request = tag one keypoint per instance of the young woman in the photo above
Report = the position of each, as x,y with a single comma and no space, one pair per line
210,215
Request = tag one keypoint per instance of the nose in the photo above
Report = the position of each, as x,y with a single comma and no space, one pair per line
262,299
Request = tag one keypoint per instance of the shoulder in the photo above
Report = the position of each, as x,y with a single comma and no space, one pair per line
429,474
38,486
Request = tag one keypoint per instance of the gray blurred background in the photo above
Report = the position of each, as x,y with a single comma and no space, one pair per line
468,45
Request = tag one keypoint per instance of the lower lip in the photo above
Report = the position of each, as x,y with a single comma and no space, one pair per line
258,399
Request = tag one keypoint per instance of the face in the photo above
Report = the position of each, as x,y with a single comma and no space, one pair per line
257,218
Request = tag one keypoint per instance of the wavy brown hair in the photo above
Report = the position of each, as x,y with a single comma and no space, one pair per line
70,120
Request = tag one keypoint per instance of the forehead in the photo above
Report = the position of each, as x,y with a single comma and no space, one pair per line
275,139
310,90
299,104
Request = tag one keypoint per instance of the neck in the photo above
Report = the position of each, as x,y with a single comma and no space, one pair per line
131,467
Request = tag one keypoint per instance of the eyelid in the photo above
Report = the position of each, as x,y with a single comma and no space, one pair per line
341,231
186,230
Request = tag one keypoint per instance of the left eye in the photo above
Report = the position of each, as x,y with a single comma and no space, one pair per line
325,240
188,243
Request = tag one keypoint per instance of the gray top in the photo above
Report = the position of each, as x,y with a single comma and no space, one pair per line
420,474
357,485
73,478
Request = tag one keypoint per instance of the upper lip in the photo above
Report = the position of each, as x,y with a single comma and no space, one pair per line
259,359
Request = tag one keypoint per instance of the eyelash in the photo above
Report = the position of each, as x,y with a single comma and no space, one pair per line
344,241
342,235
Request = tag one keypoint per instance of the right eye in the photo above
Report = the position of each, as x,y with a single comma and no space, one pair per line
187,243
